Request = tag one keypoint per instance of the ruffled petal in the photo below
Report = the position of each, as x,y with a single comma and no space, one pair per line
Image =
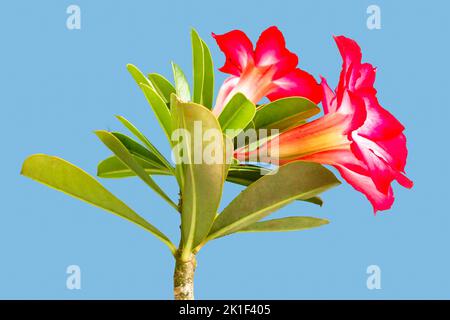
238,50
329,101
353,107
349,50
297,83
404,181
380,171
385,160
380,123
364,184
271,51
356,135
364,79
394,151
351,57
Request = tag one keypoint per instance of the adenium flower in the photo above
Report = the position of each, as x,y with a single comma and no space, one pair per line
356,135
270,70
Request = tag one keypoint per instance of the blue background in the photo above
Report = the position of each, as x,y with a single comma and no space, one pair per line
58,85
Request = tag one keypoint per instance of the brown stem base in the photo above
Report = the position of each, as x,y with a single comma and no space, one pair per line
183,278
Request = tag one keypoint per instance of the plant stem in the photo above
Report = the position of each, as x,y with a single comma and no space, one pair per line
183,277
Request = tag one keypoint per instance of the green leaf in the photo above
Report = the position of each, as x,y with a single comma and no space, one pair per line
162,86
203,71
139,151
112,167
121,151
181,84
138,76
247,174
208,77
295,180
197,63
284,113
236,115
64,176
160,109
285,224
145,141
314,200
202,182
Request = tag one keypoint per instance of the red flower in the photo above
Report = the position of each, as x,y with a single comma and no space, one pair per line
268,71
356,135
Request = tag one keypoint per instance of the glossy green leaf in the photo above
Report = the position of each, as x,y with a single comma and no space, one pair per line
197,64
284,113
208,77
112,167
145,141
160,109
162,86
121,151
285,224
203,71
202,182
181,83
295,180
138,76
236,115
139,151
64,176
246,174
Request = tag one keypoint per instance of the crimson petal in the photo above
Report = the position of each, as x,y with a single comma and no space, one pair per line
238,50
296,83
271,51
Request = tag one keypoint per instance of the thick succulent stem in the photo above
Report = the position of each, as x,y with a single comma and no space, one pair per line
183,278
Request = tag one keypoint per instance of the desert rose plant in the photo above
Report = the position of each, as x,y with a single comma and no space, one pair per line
272,148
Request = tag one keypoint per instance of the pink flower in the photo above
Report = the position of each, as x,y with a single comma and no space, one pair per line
268,71
356,135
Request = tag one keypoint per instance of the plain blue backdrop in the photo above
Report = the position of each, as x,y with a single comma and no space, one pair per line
58,85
